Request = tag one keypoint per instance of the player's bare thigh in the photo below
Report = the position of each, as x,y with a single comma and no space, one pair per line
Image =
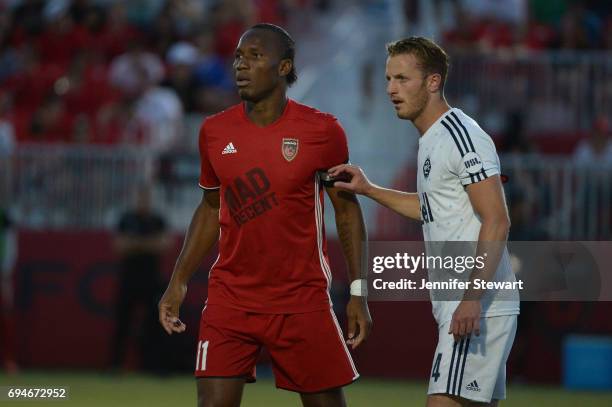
220,392
328,398
445,400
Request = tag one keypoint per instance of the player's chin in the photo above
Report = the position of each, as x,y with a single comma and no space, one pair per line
403,115
248,95
244,94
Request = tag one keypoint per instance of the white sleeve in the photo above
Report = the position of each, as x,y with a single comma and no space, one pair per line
474,157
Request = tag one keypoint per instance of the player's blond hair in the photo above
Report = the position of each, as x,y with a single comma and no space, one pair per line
432,58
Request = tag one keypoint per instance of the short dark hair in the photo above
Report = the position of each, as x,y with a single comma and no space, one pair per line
287,47
432,58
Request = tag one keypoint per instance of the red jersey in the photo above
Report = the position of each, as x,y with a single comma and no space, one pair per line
272,248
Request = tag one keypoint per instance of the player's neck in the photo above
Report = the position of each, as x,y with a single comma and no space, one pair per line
432,112
268,110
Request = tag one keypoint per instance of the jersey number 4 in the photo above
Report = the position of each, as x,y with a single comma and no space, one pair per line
435,373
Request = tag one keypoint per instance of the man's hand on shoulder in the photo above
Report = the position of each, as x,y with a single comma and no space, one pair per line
359,321
358,184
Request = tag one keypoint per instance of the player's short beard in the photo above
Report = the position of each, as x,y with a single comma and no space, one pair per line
419,104
257,96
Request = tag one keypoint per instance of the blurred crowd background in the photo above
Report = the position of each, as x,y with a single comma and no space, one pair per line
100,106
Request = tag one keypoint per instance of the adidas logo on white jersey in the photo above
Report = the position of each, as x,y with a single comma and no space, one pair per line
229,149
473,386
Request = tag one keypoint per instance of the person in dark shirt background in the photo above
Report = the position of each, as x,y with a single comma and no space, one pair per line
140,243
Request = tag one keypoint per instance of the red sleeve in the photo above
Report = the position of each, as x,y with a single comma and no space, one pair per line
208,178
336,147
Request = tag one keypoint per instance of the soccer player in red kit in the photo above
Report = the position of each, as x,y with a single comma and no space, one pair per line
263,201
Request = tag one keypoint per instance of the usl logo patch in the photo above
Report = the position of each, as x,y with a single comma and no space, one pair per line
426,167
290,148
472,163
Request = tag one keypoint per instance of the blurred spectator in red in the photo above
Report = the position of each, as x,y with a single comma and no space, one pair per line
51,122
116,123
32,81
272,11
533,24
57,58
61,38
231,18
462,36
85,86
596,149
112,37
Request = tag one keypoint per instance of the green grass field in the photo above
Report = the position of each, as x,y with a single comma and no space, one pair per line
90,389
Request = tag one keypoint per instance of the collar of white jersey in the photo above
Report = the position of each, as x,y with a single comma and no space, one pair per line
436,124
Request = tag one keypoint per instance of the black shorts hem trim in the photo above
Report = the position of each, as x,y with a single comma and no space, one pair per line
322,390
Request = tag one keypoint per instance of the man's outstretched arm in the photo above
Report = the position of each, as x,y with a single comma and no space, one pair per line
202,234
405,203
353,237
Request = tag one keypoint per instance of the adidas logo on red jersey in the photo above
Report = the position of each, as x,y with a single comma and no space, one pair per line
229,149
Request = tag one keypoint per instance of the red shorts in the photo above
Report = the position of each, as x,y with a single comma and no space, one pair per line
307,350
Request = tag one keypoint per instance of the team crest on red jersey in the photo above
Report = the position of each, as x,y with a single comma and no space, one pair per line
290,148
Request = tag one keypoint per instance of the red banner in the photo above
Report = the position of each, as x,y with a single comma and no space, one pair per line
66,286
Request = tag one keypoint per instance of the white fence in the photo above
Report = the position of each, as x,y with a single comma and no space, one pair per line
53,186
87,187
561,90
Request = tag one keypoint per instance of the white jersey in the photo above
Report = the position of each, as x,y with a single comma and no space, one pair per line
453,153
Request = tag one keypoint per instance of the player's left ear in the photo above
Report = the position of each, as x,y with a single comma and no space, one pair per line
284,67
434,81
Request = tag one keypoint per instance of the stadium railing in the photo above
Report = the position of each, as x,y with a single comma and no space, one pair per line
75,187
87,187
556,90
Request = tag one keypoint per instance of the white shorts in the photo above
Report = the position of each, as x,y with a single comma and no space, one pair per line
474,368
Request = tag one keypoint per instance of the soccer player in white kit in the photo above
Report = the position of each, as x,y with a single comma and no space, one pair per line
459,198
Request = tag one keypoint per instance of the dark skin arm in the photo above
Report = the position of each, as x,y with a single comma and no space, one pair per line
201,236
353,236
